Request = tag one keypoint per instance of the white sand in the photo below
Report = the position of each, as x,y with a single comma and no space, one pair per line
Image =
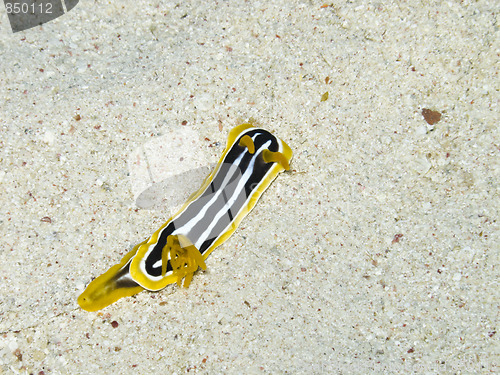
317,279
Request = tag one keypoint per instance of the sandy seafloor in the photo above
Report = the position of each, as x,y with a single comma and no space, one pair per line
377,253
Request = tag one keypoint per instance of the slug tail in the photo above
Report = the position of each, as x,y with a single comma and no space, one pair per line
108,288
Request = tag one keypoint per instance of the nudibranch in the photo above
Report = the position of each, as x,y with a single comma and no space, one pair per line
252,159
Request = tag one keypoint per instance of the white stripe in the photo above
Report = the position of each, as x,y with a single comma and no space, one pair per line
229,204
186,228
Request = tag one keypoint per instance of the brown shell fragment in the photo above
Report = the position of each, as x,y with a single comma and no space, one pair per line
432,117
